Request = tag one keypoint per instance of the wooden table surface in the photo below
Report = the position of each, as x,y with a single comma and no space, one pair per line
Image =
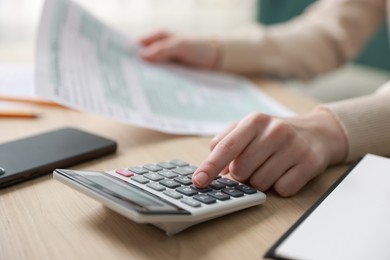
44,219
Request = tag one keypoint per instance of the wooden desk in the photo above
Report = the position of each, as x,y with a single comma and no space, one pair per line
44,219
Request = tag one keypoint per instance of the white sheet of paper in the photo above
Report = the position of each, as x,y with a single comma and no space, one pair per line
84,64
17,80
353,222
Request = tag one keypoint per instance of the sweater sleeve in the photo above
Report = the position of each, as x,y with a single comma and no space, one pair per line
328,34
366,122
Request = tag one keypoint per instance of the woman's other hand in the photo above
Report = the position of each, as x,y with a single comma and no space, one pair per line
167,47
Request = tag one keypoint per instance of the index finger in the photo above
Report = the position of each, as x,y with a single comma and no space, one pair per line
157,36
223,153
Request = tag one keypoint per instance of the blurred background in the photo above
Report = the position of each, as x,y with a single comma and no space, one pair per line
19,20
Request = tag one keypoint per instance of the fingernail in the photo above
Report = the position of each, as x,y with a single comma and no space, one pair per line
201,178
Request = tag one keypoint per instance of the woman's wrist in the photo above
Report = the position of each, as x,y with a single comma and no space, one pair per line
331,133
217,54
325,133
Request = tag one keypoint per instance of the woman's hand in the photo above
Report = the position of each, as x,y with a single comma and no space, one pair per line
283,153
163,47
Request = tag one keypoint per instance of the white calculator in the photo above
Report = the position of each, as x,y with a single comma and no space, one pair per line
162,194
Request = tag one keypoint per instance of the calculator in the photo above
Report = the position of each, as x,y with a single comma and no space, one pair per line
162,193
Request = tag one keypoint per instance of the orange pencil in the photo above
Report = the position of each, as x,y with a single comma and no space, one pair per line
17,114
40,102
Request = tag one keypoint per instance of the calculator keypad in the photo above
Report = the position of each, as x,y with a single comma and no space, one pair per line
174,179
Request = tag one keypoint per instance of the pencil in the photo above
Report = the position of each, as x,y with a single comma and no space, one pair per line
40,102
17,114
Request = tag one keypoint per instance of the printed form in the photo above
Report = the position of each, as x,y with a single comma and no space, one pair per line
84,64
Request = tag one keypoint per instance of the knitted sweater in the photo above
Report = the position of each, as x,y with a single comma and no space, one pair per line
327,35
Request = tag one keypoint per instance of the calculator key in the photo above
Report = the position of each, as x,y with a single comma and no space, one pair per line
205,198
190,202
186,191
167,174
227,182
152,167
233,192
203,190
124,172
216,185
166,165
153,176
140,179
137,170
179,163
183,180
219,195
191,168
155,186
173,194
185,170
246,189
170,183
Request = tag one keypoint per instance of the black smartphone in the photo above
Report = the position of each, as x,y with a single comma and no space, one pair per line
40,154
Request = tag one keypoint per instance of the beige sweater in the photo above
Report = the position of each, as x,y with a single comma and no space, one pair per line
330,33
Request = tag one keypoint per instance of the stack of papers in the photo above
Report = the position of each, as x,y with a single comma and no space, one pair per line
17,80
17,95
84,64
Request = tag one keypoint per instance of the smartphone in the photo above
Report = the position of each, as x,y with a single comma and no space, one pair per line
40,154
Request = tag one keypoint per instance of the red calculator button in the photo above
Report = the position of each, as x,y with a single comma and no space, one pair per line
124,172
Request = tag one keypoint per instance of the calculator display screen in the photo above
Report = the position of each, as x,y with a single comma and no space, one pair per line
125,192
122,193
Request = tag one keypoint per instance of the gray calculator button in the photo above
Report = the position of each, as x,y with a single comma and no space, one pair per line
179,163
152,167
185,170
233,192
203,190
216,185
137,170
186,190
170,183
246,189
167,174
219,195
190,202
183,180
173,194
140,179
205,198
227,182
166,165
155,186
153,176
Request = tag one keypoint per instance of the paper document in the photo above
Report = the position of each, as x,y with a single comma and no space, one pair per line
17,94
84,64
17,80
351,221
